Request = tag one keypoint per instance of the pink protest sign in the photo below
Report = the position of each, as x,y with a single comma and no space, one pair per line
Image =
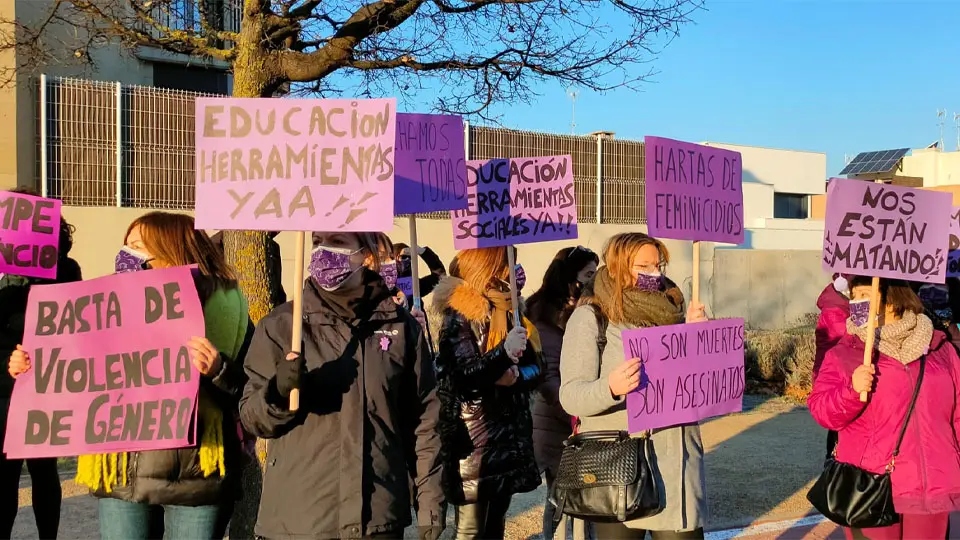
886,231
431,164
111,371
29,235
517,201
953,257
295,164
693,192
689,372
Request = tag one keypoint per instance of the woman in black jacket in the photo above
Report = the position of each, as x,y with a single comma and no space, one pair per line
338,467
404,259
486,371
185,492
46,494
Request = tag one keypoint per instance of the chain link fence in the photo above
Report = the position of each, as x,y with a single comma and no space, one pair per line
107,144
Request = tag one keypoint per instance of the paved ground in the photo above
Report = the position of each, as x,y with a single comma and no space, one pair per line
759,467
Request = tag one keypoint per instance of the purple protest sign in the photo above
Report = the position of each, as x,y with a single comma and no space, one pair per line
111,371
405,284
953,257
689,372
517,201
693,192
886,231
431,164
29,235
295,164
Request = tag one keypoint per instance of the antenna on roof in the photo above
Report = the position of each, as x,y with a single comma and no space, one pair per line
573,94
941,114
956,122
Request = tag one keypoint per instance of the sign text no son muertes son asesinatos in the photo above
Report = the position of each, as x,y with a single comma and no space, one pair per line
111,371
295,164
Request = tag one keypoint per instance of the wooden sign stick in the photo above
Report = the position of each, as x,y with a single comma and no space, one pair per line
696,271
514,296
297,320
415,262
871,327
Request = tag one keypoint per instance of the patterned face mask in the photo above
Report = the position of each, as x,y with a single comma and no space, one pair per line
330,267
860,312
649,282
521,277
130,260
389,271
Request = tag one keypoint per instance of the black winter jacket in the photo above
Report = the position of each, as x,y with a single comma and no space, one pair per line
487,430
340,466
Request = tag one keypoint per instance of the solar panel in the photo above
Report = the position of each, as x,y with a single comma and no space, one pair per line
875,162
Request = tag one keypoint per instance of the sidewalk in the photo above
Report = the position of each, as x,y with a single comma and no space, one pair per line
759,467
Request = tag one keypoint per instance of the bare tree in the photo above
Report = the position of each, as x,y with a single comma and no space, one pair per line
477,52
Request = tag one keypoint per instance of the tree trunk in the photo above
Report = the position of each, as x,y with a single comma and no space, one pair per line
246,252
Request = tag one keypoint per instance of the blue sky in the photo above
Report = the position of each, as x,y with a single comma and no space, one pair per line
829,76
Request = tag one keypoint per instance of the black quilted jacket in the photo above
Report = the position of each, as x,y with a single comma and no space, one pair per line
486,430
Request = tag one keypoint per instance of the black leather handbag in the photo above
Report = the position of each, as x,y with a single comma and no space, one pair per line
606,476
852,497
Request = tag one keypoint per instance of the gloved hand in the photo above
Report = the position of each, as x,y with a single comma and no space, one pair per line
290,374
516,343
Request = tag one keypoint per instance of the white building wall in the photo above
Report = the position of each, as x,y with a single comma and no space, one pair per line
788,171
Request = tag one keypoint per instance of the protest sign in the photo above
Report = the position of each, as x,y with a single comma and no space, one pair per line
517,201
110,368
693,192
405,284
295,164
690,372
953,262
29,235
431,164
886,231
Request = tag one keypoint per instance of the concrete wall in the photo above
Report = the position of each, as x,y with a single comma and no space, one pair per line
788,171
935,167
770,289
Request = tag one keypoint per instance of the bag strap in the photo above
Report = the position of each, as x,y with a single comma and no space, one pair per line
906,421
601,345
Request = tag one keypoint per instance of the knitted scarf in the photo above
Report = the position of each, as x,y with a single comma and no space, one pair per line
905,340
641,309
225,323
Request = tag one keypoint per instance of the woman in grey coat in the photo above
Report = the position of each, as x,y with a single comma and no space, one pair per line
630,291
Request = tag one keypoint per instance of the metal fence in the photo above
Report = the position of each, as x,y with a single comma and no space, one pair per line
107,144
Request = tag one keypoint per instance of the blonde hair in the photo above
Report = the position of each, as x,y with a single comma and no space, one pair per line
482,267
618,256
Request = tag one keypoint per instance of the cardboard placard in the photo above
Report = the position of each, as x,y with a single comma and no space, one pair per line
110,368
693,192
517,201
431,164
29,235
953,255
691,372
295,164
886,231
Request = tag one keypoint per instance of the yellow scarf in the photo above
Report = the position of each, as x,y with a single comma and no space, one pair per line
225,322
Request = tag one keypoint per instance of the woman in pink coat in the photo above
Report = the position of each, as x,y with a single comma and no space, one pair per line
926,476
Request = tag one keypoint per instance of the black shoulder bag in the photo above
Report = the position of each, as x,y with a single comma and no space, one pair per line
605,476
852,497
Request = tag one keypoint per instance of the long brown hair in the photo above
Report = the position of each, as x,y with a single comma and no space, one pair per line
618,256
173,239
483,268
894,293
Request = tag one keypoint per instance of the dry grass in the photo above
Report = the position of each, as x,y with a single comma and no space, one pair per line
781,361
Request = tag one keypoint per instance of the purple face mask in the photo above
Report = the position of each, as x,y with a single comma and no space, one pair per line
330,267
404,266
521,277
129,260
649,282
860,312
388,271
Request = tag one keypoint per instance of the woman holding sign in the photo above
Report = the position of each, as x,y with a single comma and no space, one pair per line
487,368
339,466
630,291
913,357
184,492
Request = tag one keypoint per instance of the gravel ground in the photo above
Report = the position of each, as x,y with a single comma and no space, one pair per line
759,466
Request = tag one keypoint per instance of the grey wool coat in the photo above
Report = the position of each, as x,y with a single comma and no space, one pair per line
585,393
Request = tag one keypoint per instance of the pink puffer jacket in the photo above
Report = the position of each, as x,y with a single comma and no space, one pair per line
926,478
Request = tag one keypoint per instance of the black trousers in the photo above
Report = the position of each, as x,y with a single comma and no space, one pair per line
46,491
618,531
484,520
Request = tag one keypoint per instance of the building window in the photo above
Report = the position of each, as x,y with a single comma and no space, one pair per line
790,206
190,78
